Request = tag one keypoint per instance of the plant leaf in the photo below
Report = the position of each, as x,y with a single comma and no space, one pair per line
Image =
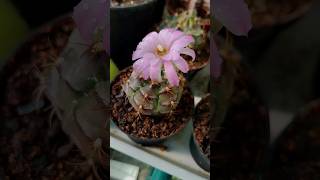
234,15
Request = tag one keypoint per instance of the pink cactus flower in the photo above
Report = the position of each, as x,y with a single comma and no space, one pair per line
162,51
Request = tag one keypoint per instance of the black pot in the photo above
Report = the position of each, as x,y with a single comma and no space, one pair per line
196,151
129,24
197,154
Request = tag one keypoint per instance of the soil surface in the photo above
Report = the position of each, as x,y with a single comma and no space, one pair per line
33,145
296,153
147,127
201,125
271,12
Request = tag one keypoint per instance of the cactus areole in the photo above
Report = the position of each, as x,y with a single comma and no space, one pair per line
156,83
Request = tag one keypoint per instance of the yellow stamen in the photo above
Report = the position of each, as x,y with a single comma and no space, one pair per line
161,50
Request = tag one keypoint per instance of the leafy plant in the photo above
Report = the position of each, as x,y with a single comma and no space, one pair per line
235,16
77,84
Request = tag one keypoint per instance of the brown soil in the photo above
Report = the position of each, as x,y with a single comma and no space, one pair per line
296,154
32,146
147,127
201,125
273,12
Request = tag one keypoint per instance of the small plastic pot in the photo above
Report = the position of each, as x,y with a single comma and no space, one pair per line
142,140
196,151
202,160
129,24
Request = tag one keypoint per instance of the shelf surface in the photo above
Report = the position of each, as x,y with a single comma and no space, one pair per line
175,160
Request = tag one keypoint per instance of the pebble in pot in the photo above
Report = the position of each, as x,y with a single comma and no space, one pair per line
151,101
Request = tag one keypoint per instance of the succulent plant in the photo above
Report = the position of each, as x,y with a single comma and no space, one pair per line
235,16
77,84
190,23
75,87
156,83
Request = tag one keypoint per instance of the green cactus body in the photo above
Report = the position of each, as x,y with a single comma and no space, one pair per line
149,98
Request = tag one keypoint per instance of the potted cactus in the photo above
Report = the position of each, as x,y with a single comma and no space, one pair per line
151,100
134,18
190,23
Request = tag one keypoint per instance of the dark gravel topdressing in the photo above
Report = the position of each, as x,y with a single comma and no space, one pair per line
129,121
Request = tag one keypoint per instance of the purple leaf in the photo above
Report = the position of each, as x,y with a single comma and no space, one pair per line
90,15
217,61
234,15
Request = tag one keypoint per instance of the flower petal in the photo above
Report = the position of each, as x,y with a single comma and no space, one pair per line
181,64
149,43
155,71
171,56
189,52
146,73
182,42
137,54
168,36
171,74
140,65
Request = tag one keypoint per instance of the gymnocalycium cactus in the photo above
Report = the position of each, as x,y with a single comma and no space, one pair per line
156,83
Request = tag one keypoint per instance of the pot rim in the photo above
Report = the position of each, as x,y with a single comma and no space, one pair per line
142,138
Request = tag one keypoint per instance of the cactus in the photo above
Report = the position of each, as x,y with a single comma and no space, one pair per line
190,23
153,99
156,83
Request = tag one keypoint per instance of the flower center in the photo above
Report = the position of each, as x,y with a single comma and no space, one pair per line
161,50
